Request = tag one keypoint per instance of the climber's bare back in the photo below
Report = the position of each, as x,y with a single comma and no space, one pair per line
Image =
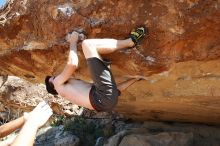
76,91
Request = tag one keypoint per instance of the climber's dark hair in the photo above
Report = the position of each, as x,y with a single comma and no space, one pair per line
50,86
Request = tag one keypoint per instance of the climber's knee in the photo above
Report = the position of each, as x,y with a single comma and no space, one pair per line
89,49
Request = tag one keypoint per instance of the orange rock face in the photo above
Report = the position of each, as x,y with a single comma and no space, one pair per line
179,60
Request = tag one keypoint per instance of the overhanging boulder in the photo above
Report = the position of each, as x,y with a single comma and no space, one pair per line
179,61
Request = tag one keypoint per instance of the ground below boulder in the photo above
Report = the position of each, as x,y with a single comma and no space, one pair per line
124,133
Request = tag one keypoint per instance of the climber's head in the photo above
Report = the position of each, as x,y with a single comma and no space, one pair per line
49,85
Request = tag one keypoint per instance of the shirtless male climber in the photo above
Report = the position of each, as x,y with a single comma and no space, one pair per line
102,94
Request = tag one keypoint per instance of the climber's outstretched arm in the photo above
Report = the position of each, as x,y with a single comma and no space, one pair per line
72,62
124,85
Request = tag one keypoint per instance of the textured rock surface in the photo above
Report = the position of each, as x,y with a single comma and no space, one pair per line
55,136
136,134
161,134
166,139
179,60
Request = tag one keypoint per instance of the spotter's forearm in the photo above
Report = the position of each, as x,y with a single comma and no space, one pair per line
10,127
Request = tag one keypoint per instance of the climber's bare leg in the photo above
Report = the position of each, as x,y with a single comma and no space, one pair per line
94,47
125,84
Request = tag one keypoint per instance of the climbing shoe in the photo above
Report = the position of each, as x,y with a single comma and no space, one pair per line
138,34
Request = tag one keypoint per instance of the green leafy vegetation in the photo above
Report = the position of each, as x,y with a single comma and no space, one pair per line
58,120
88,130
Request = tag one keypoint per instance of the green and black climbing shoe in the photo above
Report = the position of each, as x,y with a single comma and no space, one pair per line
138,34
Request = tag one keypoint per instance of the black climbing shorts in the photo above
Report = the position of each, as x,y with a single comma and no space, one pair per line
104,93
